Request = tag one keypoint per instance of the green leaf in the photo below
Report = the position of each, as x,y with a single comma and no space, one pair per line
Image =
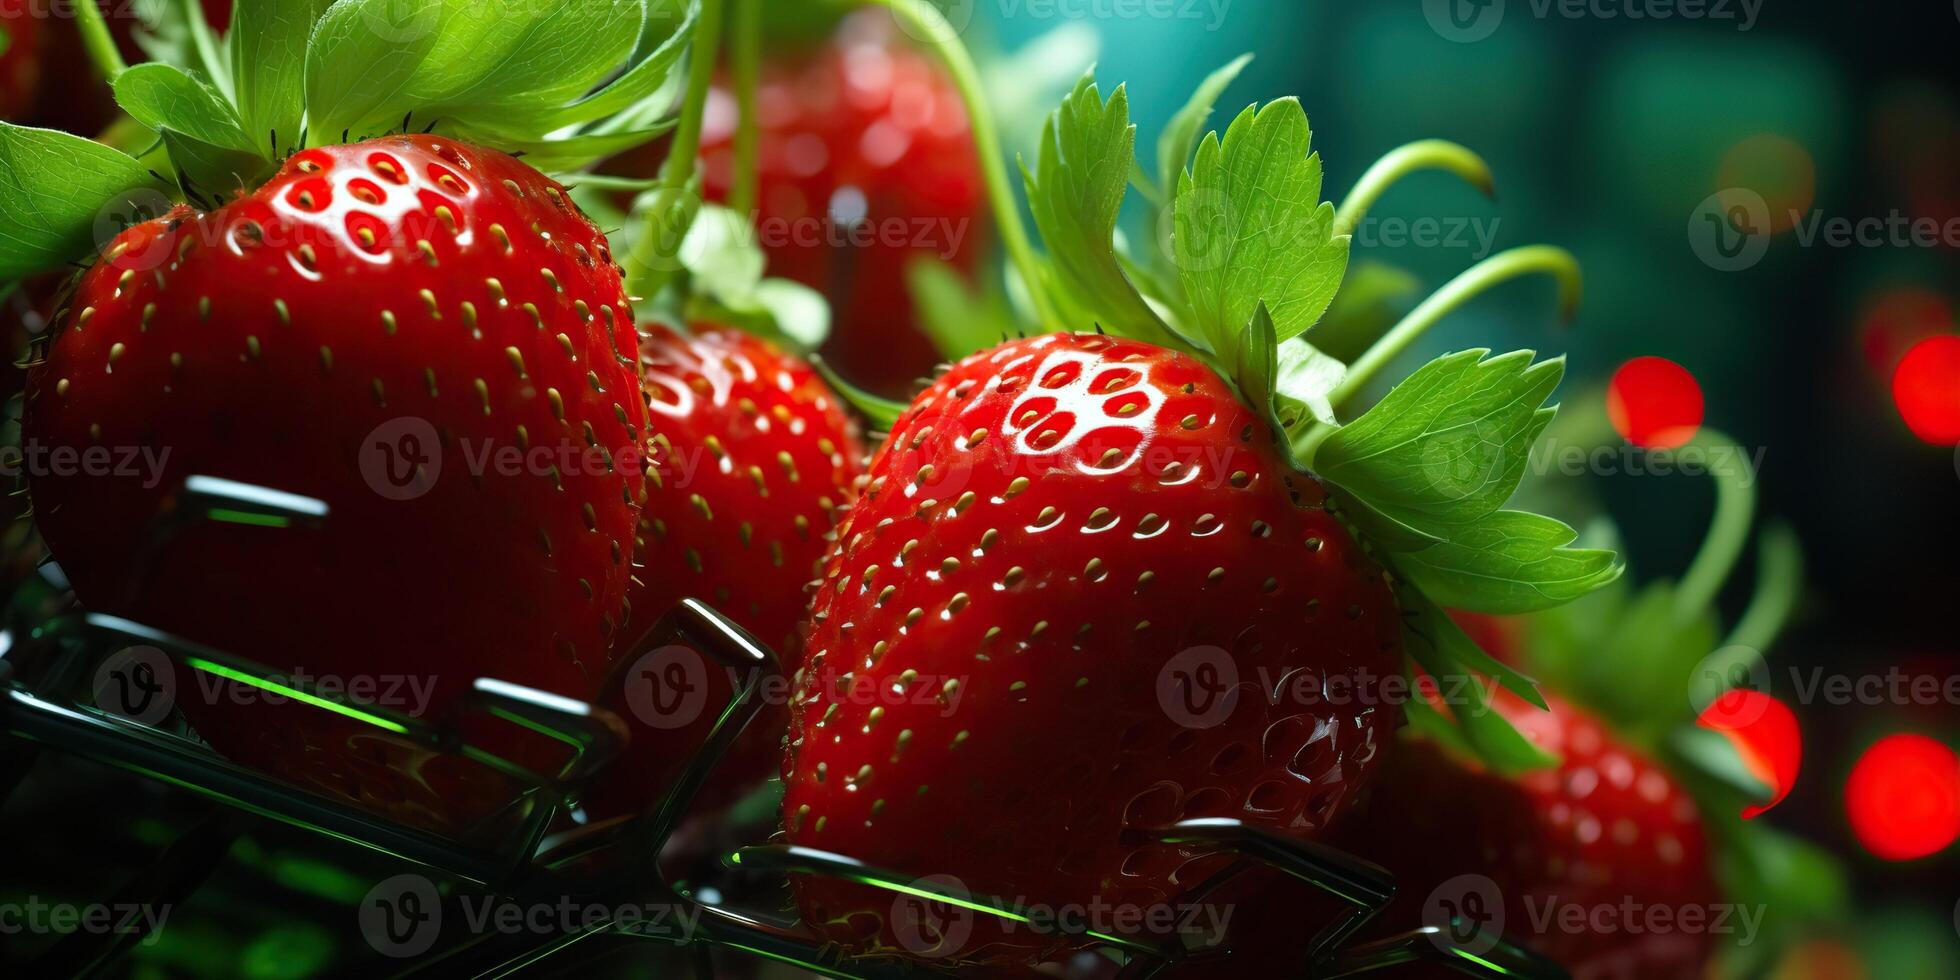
58,196
1306,378
496,61
725,268
797,312
561,153
1509,562
215,173
1456,648
1455,662
1180,135
1256,367
1449,445
161,97
643,80
959,317
1251,227
362,56
267,42
1075,193
1376,526
177,34
1713,755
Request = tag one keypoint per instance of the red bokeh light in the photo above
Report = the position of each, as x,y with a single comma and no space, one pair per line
1926,388
1764,732
1903,797
1655,403
1897,319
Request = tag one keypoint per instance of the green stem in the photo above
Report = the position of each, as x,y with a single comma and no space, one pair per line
98,42
1403,161
1728,531
1471,283
679,167
922,20
655,257
748,73
1779,581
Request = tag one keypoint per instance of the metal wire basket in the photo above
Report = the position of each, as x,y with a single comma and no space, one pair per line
536,853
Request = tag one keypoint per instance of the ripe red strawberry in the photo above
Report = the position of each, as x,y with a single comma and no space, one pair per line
1067,546
432,339
20,58
752,461
866,164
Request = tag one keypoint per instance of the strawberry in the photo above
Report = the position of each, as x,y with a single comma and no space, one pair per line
1056,533
866,164
20,58
1605,829
752,460
425,335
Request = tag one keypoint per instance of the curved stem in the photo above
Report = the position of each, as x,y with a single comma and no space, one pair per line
923,20
747,57
1403,161
1728,531
679,167
676,202
98,42
1779,581
1473,282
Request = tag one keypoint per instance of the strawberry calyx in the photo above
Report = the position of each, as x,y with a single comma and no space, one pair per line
561,83
1253,262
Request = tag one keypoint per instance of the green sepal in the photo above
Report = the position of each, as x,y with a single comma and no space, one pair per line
213,174
179,35
726,284
1251,228
1180,135
1075,193
1509,562
1713,755
267,48
1378,527
1448,446
162,97
1456,663
61,197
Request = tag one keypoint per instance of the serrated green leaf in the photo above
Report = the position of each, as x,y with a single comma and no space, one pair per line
1449,445
1508,562
360,60
1180,135
1251,228
267,45
162,97
1075,193
57,194
214,173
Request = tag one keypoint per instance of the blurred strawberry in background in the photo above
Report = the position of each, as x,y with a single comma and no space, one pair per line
865,164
